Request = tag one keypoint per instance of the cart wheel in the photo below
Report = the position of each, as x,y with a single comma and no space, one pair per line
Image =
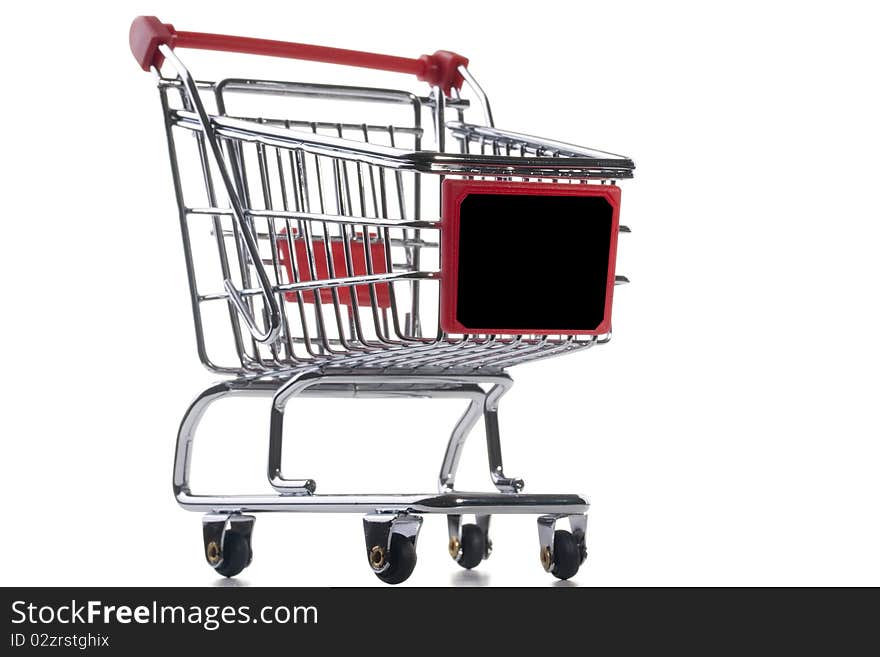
473,546
237,554
566,554
401,560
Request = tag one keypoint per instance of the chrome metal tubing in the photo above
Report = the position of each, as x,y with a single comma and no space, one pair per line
477,89
444,503
517,139
270,332
298,494
577,166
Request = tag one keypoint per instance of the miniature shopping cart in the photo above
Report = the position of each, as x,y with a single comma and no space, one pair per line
318,267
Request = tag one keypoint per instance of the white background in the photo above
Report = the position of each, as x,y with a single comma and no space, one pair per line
727,435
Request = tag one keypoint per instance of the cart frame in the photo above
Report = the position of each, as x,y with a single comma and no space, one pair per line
405,362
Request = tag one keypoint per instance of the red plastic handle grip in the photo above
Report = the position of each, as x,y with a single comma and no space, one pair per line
148,33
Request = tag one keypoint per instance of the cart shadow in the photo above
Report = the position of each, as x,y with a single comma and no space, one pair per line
469,578
476,578
463,578
230,583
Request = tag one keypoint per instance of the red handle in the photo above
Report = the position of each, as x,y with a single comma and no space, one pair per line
148,33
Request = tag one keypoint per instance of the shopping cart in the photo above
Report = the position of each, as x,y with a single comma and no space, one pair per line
317,267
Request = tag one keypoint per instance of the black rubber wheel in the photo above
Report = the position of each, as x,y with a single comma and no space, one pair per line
236,555
566,554
473,546
401,560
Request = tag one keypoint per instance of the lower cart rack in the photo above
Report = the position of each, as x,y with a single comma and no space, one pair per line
385,515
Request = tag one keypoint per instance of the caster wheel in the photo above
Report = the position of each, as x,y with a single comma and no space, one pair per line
237,554
401,560
473,546
566,554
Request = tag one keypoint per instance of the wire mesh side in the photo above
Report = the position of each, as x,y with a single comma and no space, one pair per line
351,247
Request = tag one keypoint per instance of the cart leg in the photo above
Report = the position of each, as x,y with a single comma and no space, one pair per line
562,552
290,389
486,405
456,443
193,416
493,443
391,544
481,402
